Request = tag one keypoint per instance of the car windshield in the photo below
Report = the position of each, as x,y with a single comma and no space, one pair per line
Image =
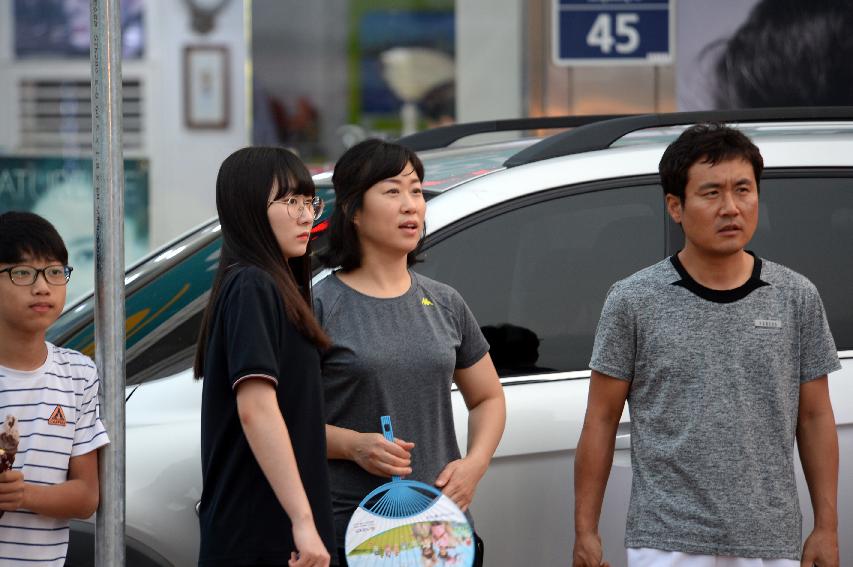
167,291
447,167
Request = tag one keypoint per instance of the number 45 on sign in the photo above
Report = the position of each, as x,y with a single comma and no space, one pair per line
598,32
601,33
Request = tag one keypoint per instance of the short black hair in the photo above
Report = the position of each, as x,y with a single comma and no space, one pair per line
28,234
360,168
712,143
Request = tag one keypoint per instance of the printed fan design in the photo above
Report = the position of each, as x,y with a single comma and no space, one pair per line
406,523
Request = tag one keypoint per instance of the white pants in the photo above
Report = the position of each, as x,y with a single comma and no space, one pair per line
645,557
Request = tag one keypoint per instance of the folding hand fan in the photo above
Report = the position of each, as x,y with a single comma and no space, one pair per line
406,523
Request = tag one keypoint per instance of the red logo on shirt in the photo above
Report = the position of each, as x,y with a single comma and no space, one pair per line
57,417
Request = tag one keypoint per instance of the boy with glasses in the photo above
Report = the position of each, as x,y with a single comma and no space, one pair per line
53,394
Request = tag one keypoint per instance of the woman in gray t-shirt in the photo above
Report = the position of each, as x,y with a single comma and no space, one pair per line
399,341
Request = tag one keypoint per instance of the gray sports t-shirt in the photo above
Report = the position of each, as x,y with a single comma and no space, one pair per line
715,381
393,357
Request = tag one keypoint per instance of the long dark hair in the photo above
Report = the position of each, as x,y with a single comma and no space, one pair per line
242,194
360,168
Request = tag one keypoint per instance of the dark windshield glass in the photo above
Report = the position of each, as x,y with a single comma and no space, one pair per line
807,225
536,276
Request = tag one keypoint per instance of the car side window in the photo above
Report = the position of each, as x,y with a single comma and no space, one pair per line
536,275
174,347
806,224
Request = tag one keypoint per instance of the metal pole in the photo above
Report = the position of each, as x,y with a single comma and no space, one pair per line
108,176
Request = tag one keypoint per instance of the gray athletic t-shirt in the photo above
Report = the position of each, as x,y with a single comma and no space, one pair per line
393,357
715,379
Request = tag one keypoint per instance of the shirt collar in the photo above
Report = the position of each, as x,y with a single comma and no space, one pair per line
719,295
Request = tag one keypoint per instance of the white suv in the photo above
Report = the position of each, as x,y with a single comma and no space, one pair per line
532,233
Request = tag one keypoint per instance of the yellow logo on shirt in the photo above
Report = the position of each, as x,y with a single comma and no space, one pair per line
426,302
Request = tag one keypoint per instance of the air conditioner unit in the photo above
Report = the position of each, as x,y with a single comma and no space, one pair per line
56,115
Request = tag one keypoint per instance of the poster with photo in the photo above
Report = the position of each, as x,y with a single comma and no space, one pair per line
61,190
59,29
763,53
402,49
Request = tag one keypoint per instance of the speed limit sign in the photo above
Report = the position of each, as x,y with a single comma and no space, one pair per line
598,32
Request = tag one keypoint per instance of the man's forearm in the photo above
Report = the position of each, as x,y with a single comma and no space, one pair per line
593,460
817,440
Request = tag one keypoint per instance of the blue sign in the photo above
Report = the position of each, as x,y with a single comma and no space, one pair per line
604,32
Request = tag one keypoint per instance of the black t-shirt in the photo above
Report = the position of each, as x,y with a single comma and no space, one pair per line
242,521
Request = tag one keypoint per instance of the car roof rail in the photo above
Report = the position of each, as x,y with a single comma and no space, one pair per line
443,136
599,135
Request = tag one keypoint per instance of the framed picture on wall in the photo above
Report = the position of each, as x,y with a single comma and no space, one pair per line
206,97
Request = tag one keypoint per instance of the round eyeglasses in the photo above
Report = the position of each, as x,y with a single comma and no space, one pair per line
296,204
26,275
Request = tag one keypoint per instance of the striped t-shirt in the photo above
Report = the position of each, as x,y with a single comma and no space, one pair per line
58,418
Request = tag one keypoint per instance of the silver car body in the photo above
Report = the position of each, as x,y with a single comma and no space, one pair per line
524,505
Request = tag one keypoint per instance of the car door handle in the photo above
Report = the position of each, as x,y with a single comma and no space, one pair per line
623,436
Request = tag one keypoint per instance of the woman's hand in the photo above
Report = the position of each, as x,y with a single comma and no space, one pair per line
459,479
380,457
311,550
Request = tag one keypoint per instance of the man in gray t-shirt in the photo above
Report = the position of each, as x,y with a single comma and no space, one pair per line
723,359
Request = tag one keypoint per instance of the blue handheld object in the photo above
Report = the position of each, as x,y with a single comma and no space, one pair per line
388,432
399,498
413,522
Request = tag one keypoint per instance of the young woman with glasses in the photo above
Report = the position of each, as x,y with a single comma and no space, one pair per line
399,341
265,496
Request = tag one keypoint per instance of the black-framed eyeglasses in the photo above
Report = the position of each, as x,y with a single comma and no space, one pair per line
56,274
295,206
